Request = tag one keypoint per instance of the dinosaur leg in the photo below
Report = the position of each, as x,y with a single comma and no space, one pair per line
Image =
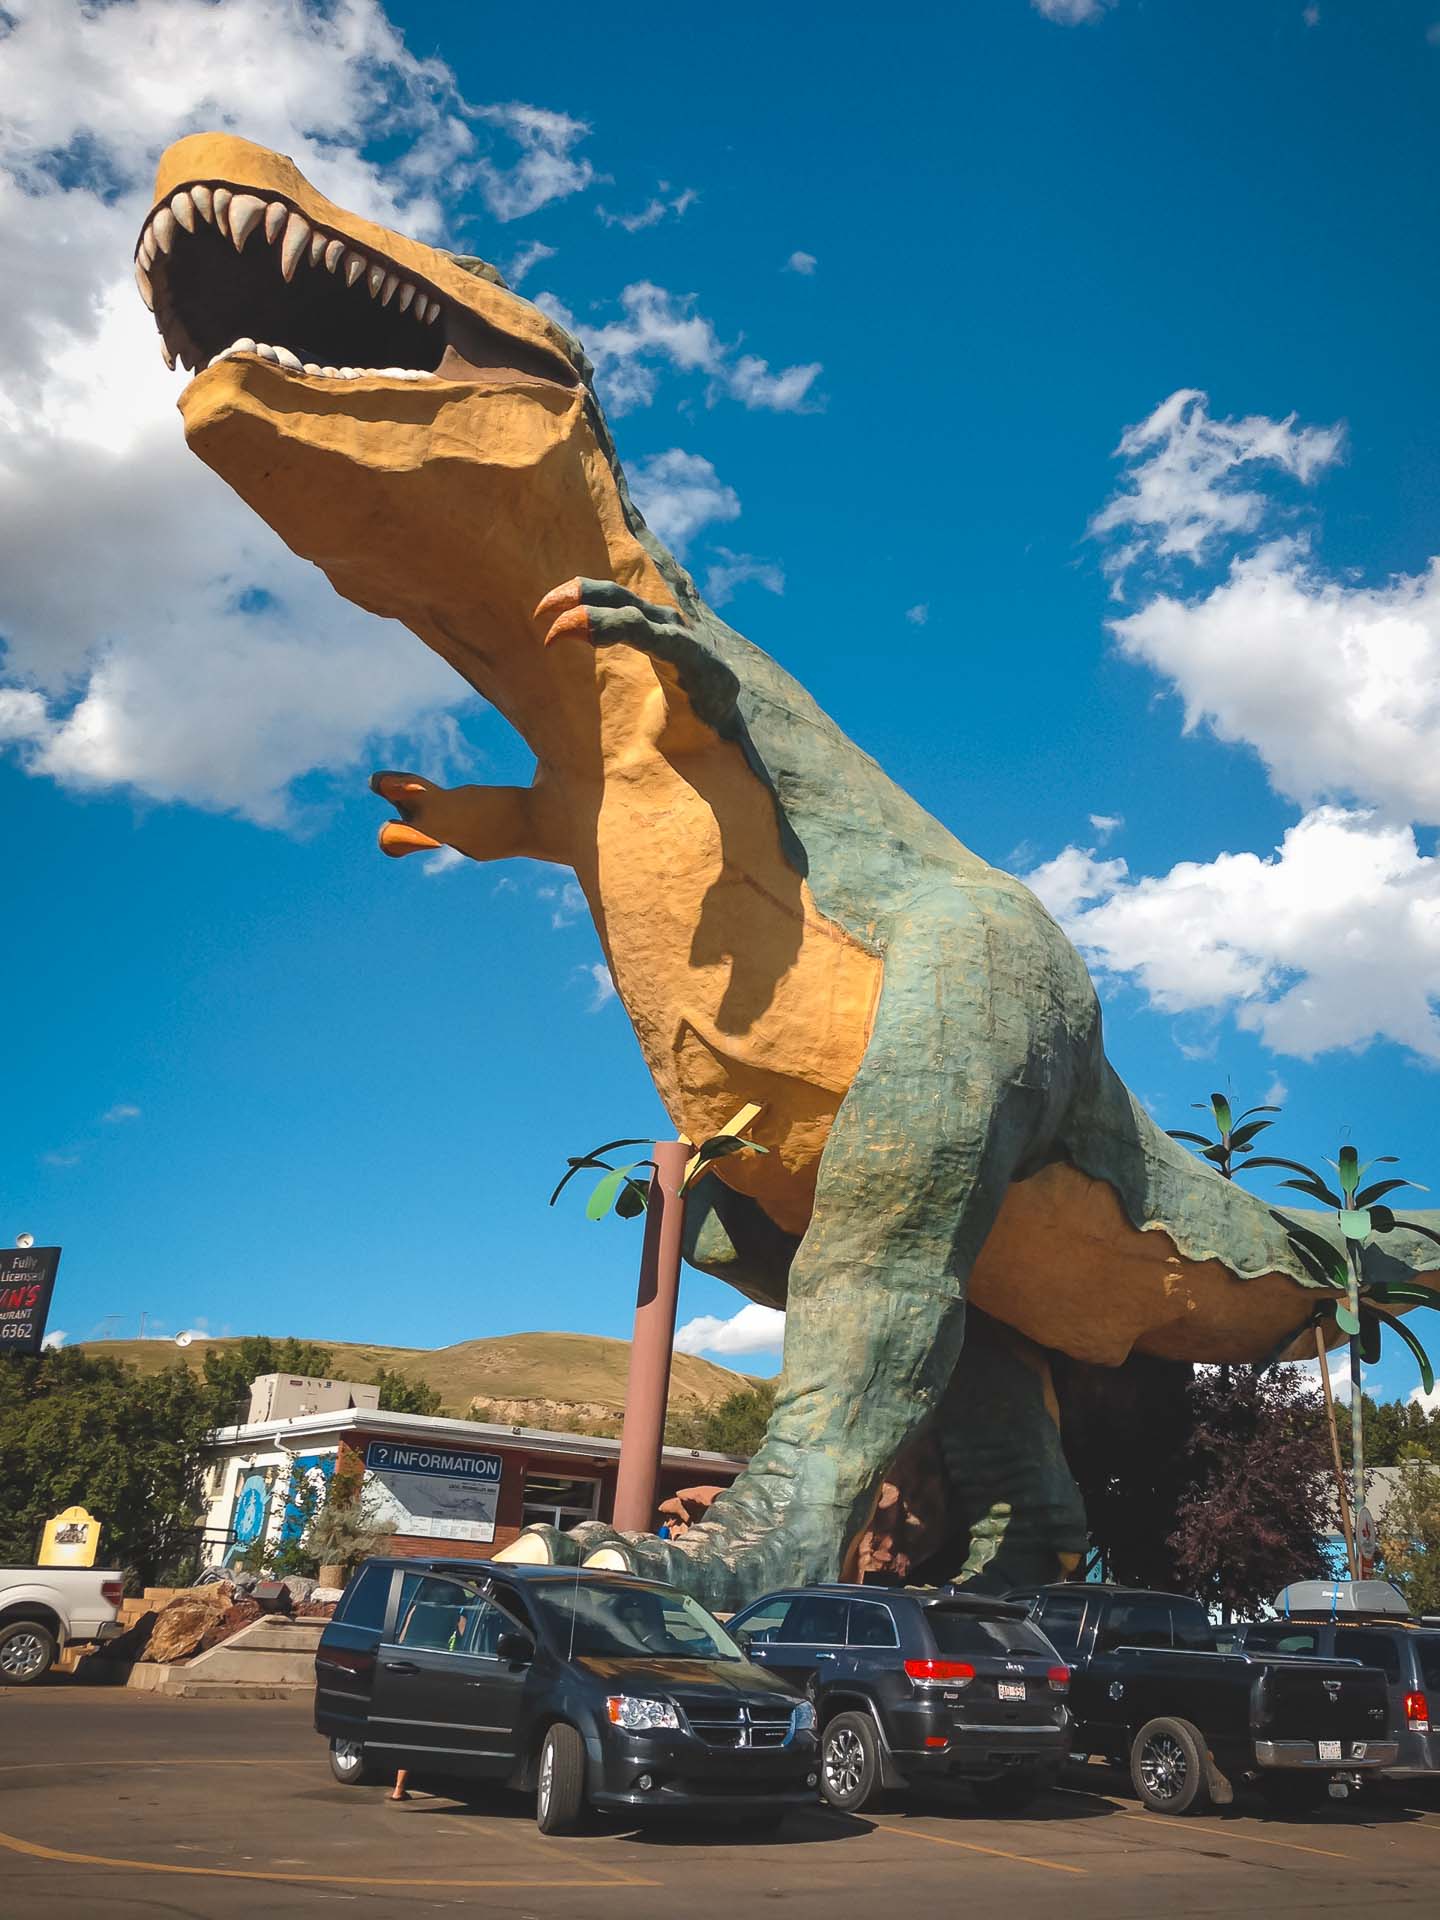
952,1096
1008,1486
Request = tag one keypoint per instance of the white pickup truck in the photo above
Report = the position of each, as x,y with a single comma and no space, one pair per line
45,1608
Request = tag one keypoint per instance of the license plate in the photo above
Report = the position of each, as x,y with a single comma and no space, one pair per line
1329,1749
1012,1689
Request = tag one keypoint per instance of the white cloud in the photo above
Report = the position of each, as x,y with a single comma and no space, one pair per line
919,615
156,634
443,860
1430,1402
602,986
58,1159
805,263
54,1339
1332,942
653,212
659,328
565,902
1339,1363
679,493
528,258
546,170
1336,686
732,570
1192,478
1072,13
754,1329
1106,824
1276,1094
124,1110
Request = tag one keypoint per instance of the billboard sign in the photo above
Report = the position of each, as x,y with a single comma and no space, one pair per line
437,1493
27,1280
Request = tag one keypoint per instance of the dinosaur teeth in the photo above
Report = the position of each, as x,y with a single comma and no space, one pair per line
278,356
162,227
295,244
276,214
245,214
183,208
204,201
223,197
334,254
407,294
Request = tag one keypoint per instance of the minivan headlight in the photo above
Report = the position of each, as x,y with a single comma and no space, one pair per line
802,1717
638,1715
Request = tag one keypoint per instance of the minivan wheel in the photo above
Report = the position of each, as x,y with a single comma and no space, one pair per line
27,1653
349,1765
850,1771
1167,1766
560,1790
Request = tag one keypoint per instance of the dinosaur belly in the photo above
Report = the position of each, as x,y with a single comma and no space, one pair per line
1064,1266
739,988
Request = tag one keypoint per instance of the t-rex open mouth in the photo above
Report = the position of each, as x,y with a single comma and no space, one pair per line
227,273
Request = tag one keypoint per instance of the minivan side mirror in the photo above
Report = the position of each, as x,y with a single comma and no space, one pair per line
518,1647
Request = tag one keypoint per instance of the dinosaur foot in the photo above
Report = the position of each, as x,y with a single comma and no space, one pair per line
705,1572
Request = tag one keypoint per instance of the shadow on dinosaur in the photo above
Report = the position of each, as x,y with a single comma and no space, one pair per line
957,1184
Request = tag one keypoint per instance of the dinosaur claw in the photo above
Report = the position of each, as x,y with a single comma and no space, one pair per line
574,623
559,600
397,840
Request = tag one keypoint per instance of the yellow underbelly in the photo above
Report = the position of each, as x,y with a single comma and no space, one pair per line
739,988
1064,1266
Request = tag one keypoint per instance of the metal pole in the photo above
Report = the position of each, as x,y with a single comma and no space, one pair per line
648,1388
1345,1525
1357,1396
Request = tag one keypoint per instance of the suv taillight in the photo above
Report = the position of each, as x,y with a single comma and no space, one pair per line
947,1673
112,1592
1417,1712
1059,1678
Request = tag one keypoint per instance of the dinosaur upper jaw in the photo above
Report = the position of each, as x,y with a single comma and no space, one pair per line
241,257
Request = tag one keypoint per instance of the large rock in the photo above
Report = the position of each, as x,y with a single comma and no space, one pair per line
239,1615
184,1627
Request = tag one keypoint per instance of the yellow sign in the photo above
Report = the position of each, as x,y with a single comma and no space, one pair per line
71,1539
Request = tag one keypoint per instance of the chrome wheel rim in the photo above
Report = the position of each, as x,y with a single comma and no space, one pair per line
347,1754
1163,1767
844,1763
547,1776
23,1656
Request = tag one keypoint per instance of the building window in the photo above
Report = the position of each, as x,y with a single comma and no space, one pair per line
551,1500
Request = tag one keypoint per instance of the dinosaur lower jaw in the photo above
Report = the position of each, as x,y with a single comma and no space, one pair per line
229,274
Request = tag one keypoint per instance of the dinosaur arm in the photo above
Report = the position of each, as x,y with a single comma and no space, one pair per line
484,823
607,615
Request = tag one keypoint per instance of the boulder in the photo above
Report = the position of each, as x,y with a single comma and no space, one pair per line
239,1615
299,1586
326,1596
182,1629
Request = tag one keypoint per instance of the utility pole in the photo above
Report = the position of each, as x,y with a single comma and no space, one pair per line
648,1388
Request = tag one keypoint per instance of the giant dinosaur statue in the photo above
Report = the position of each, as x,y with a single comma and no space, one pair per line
784,925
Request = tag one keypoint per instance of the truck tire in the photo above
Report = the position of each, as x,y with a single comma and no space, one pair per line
851,1774
1167,1766
27,1652
349,1764
560,1790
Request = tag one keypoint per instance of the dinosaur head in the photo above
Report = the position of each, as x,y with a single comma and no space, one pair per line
397,414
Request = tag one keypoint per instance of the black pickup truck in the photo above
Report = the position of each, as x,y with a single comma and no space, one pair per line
1149,1690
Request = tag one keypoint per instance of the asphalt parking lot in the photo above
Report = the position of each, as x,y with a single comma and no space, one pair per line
129,1805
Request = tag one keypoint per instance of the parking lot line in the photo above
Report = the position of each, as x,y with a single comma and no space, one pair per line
64,1858
1235,1833
973,1846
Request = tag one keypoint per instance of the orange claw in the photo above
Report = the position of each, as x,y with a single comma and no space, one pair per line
397,839
558,600
575,623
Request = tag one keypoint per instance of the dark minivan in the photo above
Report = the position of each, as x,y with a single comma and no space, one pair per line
592,1689
918,1683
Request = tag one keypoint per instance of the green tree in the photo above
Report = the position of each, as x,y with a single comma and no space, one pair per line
737,1425
400,1394
77,1429
1410,1533
1393,1429
230,1370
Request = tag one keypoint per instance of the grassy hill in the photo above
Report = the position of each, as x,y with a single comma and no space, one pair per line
533,1379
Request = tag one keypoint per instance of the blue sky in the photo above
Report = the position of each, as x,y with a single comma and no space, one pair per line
874,310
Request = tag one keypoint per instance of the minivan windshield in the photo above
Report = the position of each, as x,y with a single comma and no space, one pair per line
589,1621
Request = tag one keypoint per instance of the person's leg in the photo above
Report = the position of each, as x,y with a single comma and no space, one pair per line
398,1792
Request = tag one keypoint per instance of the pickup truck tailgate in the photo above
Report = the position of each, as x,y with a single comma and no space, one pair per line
1315,1700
